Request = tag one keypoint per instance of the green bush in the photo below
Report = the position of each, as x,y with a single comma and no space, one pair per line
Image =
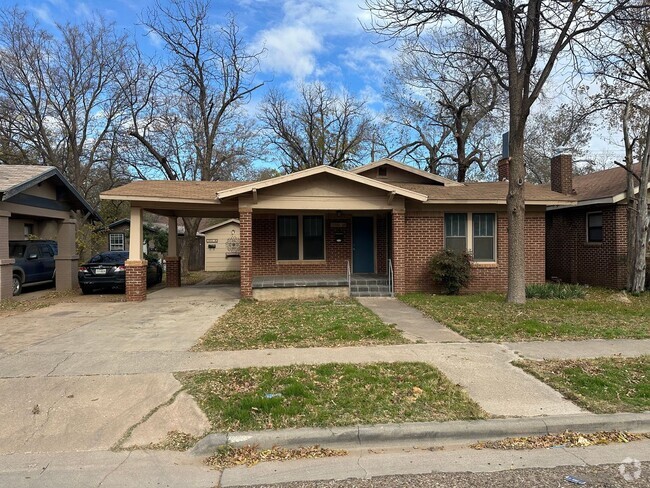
451,269
556,290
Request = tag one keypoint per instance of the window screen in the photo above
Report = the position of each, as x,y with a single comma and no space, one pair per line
483,231
313,243
288,242
595,227
456,232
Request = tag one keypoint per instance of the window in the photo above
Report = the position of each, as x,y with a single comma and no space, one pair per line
116,242
474,233
301,237
483,232
456,232
288,238
382,172
28,230
46,250
595,227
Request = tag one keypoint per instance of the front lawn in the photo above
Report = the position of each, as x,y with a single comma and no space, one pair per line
295,323
602,385
603,314
327,395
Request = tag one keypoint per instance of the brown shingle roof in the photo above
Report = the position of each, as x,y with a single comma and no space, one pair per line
486,192
176,190
13,175
602,184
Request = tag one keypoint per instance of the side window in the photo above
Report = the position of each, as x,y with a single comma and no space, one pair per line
33,250
595,227
46,251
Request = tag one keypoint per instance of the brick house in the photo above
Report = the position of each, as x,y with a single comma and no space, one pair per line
587,243
371,230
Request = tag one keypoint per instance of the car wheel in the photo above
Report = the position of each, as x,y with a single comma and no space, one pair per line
18,285
86,290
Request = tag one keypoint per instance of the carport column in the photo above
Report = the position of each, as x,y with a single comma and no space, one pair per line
136,266
399,248
246,251
67,260
172,259
6,264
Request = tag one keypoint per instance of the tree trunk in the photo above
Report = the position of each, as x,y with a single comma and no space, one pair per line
189,242
642,220
516,218
631,200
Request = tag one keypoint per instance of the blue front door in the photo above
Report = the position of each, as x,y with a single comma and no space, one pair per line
363,245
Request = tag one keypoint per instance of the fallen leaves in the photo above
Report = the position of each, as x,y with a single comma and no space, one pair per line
565,439
228,456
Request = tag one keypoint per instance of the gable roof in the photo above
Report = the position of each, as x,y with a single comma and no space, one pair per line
488,193
16,178
407,168
305,173
607,186
220,224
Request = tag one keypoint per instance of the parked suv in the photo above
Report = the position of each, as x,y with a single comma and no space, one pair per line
34,263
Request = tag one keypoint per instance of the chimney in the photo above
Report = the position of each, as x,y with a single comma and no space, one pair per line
503,167
562,172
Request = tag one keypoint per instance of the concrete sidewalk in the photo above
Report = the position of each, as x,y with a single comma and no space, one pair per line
592,348
415,326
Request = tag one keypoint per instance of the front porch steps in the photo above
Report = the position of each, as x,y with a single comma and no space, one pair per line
366,286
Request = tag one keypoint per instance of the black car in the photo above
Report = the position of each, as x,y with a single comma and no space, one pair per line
106,270
34,263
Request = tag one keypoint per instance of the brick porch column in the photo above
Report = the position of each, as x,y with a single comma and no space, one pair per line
67,260
399,247
246,252
172,259
6,264
136,266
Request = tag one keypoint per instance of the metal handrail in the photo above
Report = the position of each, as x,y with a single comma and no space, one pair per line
390,277
349,277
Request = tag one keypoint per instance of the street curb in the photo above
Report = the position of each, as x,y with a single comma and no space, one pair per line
422,432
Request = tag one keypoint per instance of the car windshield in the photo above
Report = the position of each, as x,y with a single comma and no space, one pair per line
17,250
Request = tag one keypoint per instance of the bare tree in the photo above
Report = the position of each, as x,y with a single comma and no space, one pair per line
448,101
319,128
59,96
526,39
188,117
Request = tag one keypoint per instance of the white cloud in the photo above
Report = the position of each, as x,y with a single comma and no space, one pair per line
290,50
372,60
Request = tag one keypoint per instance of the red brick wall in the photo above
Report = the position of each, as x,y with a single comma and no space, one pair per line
382,244
264,249
246,253
136,282
402,245
425,237
573,260
173,268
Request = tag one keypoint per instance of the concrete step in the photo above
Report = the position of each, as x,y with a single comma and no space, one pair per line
372,290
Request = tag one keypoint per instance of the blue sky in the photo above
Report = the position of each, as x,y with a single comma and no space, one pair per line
304,40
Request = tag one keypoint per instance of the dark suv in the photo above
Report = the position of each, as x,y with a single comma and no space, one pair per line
34,263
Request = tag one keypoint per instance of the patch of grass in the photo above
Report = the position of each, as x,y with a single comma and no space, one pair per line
327,395
602,314
562,291
210,277
229,456
603,385
295,323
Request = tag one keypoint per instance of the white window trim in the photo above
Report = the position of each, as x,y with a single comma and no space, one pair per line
602,226
469,235
301,258
112,247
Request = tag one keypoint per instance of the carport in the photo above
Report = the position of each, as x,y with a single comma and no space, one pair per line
38,201
174,200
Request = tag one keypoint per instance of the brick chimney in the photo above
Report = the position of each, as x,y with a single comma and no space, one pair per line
562,172
503,167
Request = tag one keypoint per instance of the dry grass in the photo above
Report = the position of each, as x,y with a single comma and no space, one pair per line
566,439
228,456
295,323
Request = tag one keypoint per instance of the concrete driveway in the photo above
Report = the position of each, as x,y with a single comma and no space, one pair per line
44,411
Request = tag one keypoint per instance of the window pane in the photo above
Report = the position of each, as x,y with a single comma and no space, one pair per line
313,242
484,249
288,237
483,225
458,244
595,227
455,225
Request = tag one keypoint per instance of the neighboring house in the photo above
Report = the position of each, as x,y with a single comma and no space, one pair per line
222,246
36,202
117,236
320,230
587,243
